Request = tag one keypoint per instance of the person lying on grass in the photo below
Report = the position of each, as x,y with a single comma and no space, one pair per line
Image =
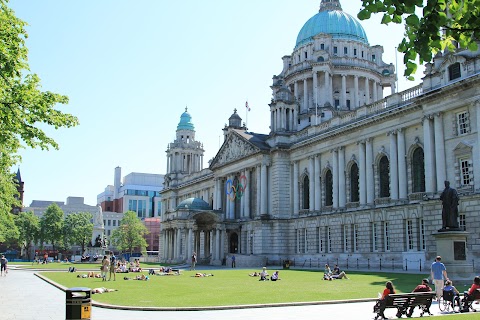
102,290
200,275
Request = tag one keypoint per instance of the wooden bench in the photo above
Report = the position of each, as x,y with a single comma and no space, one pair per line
467,304
403,301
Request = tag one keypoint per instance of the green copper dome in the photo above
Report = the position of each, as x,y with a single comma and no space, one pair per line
332,20
186,122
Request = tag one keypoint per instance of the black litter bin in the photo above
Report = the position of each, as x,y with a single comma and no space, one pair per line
78,303
286,264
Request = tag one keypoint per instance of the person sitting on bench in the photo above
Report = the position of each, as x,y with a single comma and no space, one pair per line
468,295
422,287
382,301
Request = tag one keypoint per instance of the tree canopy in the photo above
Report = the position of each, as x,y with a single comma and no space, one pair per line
130,234
24,108
430,26
78,229
29,229
51,225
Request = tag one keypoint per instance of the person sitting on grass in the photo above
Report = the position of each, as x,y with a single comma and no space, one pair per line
274,276
327,273
337,274
263,274
255,274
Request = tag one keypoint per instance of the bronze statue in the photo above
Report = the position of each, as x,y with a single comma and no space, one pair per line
449,199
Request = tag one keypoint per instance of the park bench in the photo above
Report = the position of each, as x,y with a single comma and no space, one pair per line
467,304
403,301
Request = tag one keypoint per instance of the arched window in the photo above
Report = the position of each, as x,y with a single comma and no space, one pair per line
354,194
306,193
384,174
418,171
328,188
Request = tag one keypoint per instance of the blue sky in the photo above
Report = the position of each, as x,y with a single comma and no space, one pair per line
131,67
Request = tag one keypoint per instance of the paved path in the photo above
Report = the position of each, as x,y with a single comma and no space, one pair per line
23,296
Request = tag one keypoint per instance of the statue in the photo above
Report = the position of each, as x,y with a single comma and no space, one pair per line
449,199
98,241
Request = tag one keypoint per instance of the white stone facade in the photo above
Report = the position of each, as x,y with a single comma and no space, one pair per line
356,181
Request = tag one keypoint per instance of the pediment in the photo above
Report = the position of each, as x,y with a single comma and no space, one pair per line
234,148
463,147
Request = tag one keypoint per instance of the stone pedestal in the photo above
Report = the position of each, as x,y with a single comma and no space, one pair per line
452,247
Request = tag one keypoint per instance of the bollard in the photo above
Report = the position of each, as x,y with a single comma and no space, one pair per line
78,303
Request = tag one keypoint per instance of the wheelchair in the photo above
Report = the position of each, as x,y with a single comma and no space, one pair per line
448,302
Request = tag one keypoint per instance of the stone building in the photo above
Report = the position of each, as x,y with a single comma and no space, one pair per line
344,173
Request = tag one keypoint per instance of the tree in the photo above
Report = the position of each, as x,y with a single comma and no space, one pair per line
130,234
24,107
78,229
51,225
29,227
442,24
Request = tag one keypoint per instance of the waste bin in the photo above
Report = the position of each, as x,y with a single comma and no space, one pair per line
286,264
78,303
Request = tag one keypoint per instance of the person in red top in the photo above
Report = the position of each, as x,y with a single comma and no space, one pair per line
389,289
468,295
423,287
475,286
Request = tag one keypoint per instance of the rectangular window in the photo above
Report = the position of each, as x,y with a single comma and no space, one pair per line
132,205
320,240
422,235
301,239
374,58
337,102
454,71
329,240
409,230
465,178
374,237
355,237
345,50
345,238
114,223
463,123
462,223
322,46
109,223
362,54
306,55
335,50
355,52
386,236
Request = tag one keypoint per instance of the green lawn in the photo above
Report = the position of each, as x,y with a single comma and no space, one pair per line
235,287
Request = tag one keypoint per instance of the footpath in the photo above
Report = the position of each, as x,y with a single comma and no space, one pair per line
24,296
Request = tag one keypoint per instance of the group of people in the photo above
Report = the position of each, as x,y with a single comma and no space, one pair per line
442,283
108,265
264,276
330,275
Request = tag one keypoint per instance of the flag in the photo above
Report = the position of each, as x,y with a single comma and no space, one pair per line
246,106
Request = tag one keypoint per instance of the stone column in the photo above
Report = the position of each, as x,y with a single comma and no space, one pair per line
355,101
440,151
393,166
189,243
326,96
295,89
361,173
343,104
295,120
168,164
367,91
264,187
370,177
259,189
315,90
402,164
311,191
375,91
246,194
217,245
335,177
296,205
318,199
242,199
430,181
477,148
305,95
342,192
178,244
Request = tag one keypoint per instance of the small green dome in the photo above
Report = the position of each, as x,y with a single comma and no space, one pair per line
193,204
186,122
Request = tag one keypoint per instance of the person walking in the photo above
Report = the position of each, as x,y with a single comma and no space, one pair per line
439,276
3,266
233,261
